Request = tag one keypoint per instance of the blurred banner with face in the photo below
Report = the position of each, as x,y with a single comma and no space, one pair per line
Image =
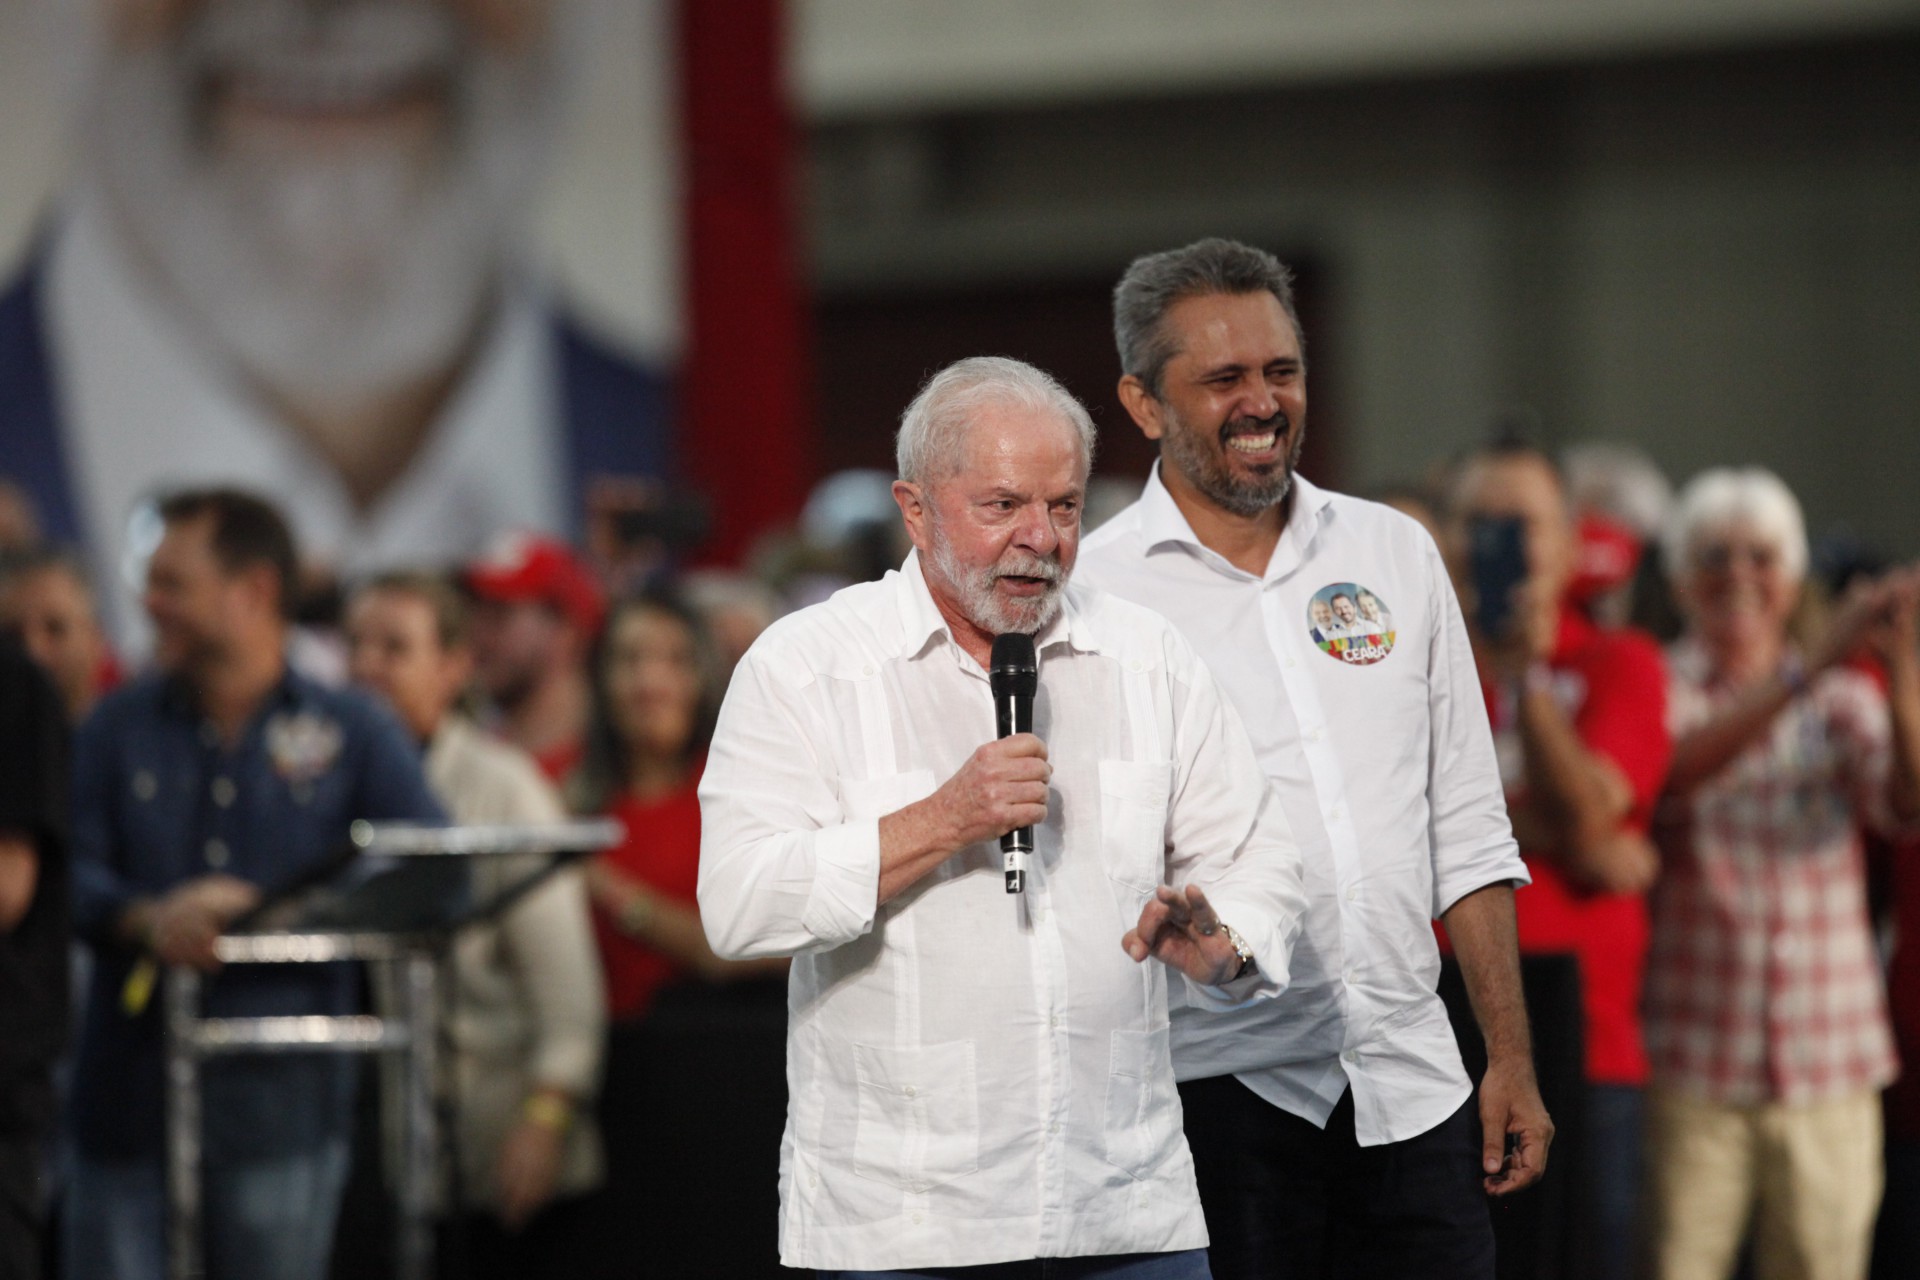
293,256
331,189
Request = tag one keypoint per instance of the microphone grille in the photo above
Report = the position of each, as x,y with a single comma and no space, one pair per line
1014,669
1014,652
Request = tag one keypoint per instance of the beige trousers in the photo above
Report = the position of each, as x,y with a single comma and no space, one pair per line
1806,1178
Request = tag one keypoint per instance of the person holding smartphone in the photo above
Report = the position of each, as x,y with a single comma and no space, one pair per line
1579,722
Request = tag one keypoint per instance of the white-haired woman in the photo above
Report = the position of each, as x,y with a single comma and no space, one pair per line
1765,1010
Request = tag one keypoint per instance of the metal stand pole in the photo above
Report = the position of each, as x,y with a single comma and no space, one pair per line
413,962
419,997
184,1241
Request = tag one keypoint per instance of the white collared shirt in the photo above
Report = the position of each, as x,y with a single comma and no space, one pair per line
1379,748
976,1077
147,407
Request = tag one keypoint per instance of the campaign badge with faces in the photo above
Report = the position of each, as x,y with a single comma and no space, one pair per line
1350,623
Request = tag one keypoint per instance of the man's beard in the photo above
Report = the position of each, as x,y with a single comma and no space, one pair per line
1207,469
325,274
986,608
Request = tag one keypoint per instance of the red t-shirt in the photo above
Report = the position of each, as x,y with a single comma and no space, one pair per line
662,851
1613,686
557,762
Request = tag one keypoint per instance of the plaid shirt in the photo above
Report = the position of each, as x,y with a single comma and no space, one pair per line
1763,984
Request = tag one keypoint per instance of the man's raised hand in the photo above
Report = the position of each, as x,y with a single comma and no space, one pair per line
1180,929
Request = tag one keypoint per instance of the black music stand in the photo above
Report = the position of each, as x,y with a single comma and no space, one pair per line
393,899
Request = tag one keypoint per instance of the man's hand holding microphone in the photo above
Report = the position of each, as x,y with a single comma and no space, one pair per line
1001,792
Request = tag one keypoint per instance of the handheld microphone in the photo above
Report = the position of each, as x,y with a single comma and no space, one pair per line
1015,677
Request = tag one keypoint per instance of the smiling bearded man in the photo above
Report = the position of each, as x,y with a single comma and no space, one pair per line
1333,1129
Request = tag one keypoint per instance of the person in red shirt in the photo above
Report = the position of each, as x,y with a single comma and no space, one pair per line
656,695
1579,718
536,614
656,691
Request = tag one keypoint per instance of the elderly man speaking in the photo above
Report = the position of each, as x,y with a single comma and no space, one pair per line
980,1079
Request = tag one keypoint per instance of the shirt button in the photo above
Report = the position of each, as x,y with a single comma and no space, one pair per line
1351,1055
813,1179
145,785
223,792
912,1092
1053,1020
1054,1127
216,852
1353,893
918,1219
1313,735
1333,814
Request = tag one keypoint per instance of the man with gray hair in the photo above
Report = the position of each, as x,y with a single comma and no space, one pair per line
1333,1130
981,1079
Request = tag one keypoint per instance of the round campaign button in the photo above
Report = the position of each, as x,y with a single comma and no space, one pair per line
1350,624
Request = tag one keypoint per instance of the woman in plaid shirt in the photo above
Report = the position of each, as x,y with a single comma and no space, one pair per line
1766,1014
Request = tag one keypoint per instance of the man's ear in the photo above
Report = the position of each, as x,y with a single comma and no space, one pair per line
914,512
263,589
1142,406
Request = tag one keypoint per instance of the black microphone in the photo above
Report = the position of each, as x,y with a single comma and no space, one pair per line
1015,678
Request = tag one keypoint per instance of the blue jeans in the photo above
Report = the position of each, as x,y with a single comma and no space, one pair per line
1615,1116
1189,1264
266,1219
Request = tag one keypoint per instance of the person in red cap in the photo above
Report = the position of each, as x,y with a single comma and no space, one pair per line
536,612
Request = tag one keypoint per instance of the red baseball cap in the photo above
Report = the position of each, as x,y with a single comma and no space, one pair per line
1607,556
521,567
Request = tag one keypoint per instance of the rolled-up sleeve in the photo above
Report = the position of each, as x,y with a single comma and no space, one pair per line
1227,834
783,868
1469,833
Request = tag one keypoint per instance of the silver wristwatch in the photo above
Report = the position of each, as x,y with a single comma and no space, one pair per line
1248,965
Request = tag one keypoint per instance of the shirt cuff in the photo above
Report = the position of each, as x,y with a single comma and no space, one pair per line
846,882
1270,952
96,916
1448,890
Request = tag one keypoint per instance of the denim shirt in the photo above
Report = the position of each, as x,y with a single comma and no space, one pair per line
159,800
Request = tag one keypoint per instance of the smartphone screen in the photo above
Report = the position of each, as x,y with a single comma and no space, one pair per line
1498,545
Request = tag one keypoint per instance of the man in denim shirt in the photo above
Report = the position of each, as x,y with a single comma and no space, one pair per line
198,789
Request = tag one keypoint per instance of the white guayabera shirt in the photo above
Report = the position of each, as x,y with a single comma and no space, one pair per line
1379,750
979,1077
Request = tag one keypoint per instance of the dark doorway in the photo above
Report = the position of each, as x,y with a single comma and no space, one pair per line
877,348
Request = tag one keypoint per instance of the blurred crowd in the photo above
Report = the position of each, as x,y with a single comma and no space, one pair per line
292,256
1708,726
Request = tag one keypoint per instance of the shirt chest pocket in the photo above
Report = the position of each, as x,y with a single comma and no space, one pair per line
1133,822
918,1124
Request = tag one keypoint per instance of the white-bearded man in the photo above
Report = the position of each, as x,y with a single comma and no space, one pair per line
980,1083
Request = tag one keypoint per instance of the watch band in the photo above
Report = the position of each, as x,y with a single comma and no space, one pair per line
1248,965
